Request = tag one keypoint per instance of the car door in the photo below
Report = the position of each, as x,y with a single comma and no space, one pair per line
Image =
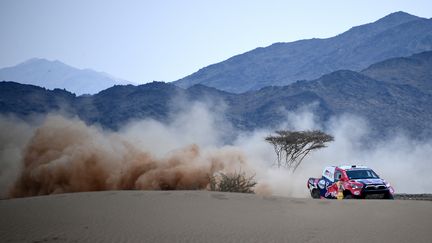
333,188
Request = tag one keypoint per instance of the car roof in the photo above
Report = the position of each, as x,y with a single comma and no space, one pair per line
352,167
329,171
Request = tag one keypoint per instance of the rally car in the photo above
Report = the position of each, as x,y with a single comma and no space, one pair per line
349,182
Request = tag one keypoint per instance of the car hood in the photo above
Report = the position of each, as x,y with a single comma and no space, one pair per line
370,181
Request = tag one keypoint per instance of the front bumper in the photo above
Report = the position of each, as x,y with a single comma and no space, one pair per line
375,191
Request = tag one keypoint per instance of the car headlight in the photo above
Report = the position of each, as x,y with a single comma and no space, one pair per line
387,184
356,186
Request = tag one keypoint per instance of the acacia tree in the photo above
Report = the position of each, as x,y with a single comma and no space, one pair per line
291,147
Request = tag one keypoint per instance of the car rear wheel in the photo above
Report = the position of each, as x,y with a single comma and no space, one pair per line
315,193
348,196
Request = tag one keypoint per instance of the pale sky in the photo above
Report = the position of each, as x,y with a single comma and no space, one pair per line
164,40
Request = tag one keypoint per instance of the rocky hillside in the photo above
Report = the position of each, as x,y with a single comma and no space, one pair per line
396,35
415,70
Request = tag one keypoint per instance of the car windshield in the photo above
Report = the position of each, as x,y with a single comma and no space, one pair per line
361,174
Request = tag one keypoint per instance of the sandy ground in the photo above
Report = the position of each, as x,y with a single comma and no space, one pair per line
199,216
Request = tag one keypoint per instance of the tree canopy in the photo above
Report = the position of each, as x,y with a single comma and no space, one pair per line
291,147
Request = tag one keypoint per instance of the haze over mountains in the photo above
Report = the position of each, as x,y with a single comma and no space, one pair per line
396,35
394,94
55,74
388,105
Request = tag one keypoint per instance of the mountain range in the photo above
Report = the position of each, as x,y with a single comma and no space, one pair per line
380,71
396,35
390,104
55,74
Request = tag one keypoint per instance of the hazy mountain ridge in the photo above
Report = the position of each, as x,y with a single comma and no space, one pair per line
398,34
388,105
55,74
393,94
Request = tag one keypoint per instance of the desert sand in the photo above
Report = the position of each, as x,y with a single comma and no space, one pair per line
201,216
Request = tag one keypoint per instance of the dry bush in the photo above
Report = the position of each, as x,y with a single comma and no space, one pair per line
232,182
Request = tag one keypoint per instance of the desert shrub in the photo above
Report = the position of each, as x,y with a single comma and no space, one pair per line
232,182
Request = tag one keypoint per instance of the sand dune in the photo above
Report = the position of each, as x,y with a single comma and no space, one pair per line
200,216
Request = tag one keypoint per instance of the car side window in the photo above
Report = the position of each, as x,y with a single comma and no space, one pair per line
337,175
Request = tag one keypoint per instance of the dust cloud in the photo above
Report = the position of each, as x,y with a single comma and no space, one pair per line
63,154
403,161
